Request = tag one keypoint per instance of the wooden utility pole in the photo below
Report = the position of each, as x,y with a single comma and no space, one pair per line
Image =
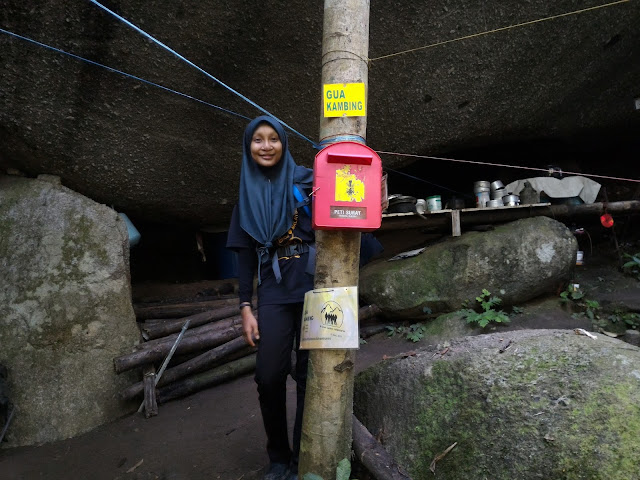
327,423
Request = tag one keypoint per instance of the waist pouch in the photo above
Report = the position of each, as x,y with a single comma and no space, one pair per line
292,250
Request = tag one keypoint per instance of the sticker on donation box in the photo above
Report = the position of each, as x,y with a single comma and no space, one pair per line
344,100
330,319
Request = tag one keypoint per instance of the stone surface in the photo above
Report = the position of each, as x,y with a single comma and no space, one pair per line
552,405
547,92
517,262
65,310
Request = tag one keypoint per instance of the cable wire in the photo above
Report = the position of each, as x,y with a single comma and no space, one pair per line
189,62
316,146
495,30
546,170
77,57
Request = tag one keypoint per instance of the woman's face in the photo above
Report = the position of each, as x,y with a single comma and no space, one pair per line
266,147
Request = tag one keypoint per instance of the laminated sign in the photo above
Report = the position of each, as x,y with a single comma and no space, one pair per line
344,100
330,319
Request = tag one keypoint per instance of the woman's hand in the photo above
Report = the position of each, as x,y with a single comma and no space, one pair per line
249,326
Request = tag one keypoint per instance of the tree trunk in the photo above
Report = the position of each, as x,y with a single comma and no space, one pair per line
326,425
208,379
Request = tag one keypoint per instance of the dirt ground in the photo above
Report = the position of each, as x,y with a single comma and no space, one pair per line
217,433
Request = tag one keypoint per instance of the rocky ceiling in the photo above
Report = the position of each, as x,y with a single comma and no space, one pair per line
569,85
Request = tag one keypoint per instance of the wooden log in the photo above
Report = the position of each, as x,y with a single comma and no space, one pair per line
150,403
154,329
373,456
441,220
202,362
179,310
207,379
188,344
225,353
206,329
372,330
368,312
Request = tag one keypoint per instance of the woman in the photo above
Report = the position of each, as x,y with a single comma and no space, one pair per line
271,232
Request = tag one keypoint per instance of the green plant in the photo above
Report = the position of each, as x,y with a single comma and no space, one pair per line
571,294
488,314
629,319
632,267
414,332
517,310
592,309
588,308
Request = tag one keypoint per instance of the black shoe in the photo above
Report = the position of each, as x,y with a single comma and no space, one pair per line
277,471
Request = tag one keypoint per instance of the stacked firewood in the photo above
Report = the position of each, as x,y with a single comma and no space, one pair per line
188,347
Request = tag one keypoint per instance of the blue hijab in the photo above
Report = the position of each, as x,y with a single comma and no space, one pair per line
266,201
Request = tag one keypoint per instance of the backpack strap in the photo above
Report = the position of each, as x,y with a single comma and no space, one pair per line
302,200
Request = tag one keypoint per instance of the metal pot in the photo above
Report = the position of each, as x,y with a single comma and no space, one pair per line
498,194
511,200
497,185
481,186
495,203
402,204
455,203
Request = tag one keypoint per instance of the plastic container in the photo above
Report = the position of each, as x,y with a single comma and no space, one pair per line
132,231
481,199
421,206
434,203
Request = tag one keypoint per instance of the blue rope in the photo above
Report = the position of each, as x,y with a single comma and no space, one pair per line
320,146
120,72
139,30
342,138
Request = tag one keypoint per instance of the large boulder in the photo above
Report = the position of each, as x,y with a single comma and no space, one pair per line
65,310
517,261
525,404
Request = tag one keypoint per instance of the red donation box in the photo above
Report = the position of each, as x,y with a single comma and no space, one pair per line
347,183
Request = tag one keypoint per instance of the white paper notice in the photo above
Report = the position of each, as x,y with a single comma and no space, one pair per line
330,319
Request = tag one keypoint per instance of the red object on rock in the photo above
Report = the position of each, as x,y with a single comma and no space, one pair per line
606,220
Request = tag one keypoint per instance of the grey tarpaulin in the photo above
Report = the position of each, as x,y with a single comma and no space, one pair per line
567,187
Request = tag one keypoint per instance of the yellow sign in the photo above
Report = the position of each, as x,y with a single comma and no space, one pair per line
349,188
330,319
344,100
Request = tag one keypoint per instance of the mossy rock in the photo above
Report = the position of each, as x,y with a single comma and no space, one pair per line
553,405
517,262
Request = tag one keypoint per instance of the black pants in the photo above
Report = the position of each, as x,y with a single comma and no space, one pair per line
279,328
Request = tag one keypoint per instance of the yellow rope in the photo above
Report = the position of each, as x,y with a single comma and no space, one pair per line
500,29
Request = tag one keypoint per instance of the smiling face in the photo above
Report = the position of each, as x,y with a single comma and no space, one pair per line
266,147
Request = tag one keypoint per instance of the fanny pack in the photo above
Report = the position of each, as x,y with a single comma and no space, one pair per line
289,251
292,250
